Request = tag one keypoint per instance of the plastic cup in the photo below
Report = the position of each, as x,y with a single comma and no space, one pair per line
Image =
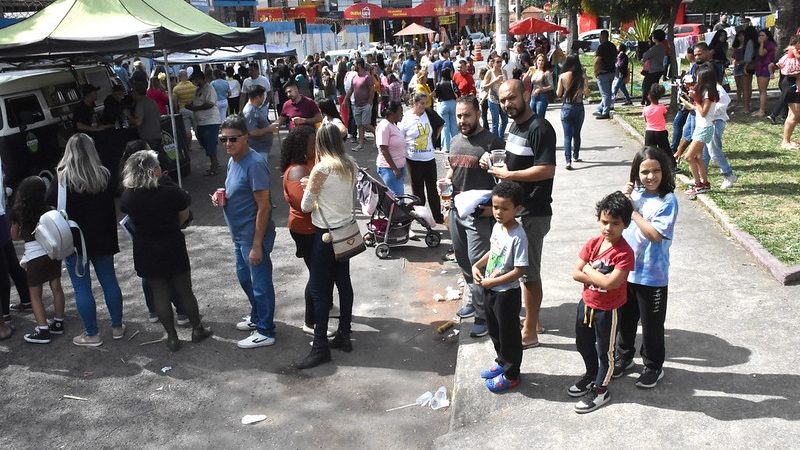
445,187
498,158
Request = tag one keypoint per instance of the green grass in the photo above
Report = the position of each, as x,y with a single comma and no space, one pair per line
764,202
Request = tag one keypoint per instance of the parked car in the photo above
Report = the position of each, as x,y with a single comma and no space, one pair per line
481,38
689,29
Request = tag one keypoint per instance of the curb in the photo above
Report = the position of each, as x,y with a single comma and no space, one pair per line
784,274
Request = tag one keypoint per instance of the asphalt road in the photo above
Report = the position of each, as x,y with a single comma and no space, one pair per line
146,397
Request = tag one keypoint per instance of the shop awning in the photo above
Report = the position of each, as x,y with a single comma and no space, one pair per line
431,8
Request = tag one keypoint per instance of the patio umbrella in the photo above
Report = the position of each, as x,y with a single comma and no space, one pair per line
533,25
413,29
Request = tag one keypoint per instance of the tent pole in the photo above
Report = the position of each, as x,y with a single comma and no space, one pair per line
172,120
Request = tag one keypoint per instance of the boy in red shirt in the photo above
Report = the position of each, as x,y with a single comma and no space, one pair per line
603,266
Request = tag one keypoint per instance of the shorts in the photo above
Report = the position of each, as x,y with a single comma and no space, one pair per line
536,228
688,127
792,96
703,134
42,270
362,115
188,120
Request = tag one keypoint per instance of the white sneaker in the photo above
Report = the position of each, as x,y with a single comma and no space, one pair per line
310,331
256,339
245,324
729,181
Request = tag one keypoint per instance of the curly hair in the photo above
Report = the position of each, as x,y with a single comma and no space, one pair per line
29,203
293,149
509,190
616,204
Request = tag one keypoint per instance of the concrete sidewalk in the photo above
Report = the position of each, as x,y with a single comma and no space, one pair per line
729,376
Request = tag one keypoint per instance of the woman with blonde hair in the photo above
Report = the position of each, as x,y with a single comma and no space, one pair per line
157,209
328,196
90,203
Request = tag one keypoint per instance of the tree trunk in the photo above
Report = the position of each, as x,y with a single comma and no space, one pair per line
501,28
572,26
787,23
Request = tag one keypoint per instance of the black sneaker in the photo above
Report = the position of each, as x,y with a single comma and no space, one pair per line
649,378
21,307
620,366
772,119
39,336
581,387
595,398
56,327
479,329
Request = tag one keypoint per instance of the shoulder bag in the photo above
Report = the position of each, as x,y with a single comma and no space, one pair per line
347,240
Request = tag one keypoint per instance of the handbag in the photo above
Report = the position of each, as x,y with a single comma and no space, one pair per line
347,240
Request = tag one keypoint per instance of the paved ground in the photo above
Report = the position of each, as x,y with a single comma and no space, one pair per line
199,403
730,377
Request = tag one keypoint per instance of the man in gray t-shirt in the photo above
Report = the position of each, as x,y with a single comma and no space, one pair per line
258,124
146,116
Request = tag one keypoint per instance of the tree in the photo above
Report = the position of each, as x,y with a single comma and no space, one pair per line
787,23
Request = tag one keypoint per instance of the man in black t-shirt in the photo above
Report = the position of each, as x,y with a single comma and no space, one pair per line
604,60
83,116
471,234
531,162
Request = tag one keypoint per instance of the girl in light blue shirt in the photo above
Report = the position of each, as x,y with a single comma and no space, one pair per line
650,234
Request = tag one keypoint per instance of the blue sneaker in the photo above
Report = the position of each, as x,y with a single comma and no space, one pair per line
492,372
479,329
501,384
466,311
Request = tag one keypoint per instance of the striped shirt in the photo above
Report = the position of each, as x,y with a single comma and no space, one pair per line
533,144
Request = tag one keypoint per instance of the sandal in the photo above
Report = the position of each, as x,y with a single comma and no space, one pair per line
492,372
210,172
500,383
530,345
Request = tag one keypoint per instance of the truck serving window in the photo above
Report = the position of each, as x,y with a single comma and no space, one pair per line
23,111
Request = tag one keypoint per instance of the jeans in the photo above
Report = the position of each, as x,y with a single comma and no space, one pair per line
84,299
148,298
677,128
539,104
447,109
781,108
470,238
208,136
714,150
395,184
594,338
324,271
619,86
572,115
256,282
649,80
499,120
604,85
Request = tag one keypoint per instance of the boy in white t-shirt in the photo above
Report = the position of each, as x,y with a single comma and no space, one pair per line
504,264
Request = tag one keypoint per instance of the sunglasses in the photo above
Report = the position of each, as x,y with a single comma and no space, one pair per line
231,139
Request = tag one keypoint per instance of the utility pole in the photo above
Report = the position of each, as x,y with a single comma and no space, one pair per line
518,9
501,26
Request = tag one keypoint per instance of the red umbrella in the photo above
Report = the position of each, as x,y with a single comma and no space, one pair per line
532,25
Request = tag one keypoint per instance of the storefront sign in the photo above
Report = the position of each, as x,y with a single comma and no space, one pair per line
447,20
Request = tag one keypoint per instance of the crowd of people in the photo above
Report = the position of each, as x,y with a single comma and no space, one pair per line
498,245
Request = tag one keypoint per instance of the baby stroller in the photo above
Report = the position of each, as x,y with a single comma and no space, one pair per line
390,217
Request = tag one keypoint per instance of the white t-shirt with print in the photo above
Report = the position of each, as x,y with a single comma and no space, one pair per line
418,135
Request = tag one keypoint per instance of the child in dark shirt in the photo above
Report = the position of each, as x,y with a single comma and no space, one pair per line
603,266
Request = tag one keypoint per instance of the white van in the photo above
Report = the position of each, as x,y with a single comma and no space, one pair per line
36,118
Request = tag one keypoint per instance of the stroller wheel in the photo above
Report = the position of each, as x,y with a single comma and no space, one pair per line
382,251
369,239
432,239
